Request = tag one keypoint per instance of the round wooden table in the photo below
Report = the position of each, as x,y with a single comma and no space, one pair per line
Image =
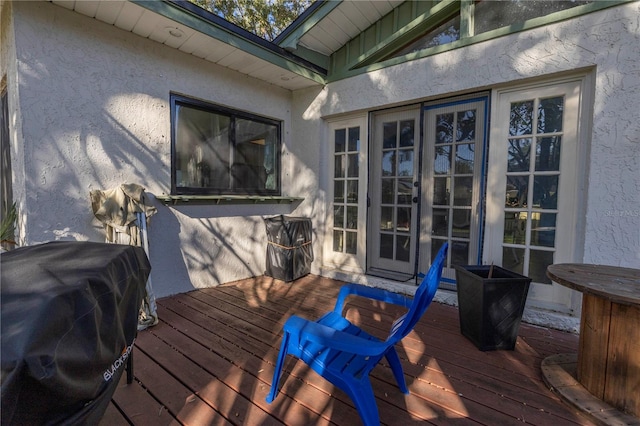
609,349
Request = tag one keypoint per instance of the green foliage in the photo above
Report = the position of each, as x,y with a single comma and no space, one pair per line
265,18
8,224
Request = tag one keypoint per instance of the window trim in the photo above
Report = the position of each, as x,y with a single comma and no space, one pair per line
191,102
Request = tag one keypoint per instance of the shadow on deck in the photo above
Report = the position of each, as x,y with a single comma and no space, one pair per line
210,361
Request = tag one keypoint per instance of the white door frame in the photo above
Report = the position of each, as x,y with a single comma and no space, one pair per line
389,207
569,227
343,260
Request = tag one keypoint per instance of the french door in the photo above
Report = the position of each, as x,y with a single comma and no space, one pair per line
417,204
347,194
393,194
452,182
533,196
432,179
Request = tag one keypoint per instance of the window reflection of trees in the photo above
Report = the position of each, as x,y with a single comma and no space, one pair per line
466,126
550,116
448,32
521,119
531,194
444,128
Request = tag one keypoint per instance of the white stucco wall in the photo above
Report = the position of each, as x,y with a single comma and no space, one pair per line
606,43
94,103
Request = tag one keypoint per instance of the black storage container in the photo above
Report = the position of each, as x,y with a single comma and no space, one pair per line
289,249
490,308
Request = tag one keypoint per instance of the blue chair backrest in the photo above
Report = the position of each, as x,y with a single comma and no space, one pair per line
421,300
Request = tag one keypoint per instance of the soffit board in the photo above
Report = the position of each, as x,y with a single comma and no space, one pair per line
341,24
168,23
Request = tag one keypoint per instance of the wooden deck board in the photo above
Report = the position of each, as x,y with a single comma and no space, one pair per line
210,361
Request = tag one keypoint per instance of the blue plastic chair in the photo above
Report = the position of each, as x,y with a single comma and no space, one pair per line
344,354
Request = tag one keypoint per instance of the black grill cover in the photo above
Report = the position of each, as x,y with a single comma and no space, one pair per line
289,249
69,318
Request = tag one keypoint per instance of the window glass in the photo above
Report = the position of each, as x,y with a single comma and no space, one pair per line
519,150
354,139
254,164
220,151
338,216
389,163
338,191
444,129
406,133
550,115
465,156
490,15
390,131
548,154
352,191
345,178
532,181
521,118
447,32
466,126
442,163
352,242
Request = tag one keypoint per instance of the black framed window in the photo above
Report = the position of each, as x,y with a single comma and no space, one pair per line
219,151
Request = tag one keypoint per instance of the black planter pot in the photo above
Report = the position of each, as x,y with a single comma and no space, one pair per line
490,308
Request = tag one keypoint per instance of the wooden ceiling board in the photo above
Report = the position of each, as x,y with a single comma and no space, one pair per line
244,63
345,24
129,16
272,73
255,66
164,27
354,11
146,24
67,4
322,35
311,42
178,42
384,7
233,57
159,34
196,44
88,8
338,31
218,51
108,11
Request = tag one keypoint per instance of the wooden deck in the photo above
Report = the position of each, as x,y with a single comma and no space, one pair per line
210,361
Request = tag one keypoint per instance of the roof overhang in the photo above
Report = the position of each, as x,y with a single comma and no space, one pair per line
190,29
328,25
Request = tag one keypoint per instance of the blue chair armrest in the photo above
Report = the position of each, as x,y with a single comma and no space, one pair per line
304,330
370,293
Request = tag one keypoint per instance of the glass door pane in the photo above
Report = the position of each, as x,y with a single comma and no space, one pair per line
346,174
393,188
453,153
533,192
